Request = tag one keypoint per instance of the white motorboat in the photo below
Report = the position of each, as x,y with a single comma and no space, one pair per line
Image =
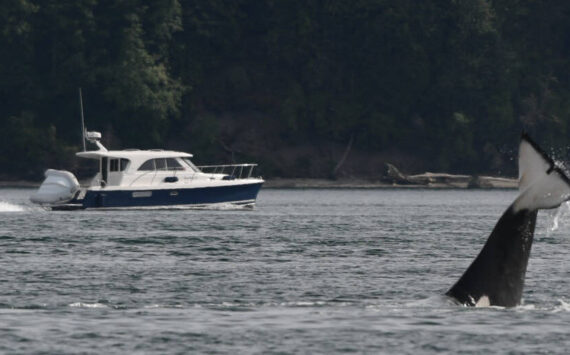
135,178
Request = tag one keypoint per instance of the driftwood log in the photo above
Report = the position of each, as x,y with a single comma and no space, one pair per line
396,177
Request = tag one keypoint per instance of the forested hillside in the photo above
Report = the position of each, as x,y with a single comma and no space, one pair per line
324,88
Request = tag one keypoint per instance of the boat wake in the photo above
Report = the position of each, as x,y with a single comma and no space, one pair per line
11,207
87,305
224,206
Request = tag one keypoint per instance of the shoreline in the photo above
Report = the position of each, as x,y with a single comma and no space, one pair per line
304,183
487,182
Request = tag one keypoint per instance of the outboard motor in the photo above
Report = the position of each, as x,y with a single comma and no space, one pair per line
59,187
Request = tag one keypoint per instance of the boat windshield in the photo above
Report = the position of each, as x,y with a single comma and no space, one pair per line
191,165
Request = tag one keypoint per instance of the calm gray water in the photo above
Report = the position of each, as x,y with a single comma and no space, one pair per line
307,271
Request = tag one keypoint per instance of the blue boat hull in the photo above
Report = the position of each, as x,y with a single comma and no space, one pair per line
236,194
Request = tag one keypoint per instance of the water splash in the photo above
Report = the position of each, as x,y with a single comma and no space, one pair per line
562,307
11,207
558,219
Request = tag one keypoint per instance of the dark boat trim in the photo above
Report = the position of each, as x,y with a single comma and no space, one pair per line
235,194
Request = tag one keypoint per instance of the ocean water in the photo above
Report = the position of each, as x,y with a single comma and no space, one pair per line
307,271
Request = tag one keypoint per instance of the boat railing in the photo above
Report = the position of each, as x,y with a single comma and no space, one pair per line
233,171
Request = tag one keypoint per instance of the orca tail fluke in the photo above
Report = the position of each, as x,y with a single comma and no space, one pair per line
496,276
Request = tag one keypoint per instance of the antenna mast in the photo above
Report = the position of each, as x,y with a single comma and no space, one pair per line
82,120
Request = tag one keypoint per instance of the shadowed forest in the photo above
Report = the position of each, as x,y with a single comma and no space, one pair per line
327,89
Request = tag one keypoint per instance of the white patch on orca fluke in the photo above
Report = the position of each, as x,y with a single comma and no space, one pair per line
542,183
547,192
533,163
483,302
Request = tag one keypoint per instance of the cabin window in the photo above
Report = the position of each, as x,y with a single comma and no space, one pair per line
190,164
160,164
173,164
124,164
114,165
148,165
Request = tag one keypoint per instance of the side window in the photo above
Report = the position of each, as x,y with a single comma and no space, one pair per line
148,165
173,164
124,164
190,165
114,165
160,164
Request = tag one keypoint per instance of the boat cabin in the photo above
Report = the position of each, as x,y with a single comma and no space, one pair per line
141,167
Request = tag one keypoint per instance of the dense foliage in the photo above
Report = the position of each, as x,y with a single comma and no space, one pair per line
307,88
